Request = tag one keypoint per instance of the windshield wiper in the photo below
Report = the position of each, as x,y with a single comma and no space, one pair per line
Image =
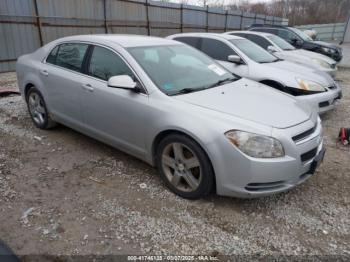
187,90
220,82
276,60
191,90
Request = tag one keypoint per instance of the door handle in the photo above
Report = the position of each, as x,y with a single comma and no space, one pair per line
88,87
44,72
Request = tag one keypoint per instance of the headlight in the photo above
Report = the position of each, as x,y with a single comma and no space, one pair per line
328,50
255,145
308,85
321,63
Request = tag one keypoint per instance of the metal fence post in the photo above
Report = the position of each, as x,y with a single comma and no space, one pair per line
38,21
207,21
334,25
225,28
241,22
105,16
147,17
181,18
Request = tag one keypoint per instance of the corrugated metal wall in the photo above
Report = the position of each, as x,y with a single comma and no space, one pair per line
327,32
27,24
347,32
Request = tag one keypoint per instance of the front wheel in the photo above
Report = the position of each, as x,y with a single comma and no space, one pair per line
184,167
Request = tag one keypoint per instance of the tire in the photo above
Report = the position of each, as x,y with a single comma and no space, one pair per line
188,174
38,110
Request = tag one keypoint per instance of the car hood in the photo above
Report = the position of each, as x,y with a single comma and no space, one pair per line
303,72
311,55
325,44
252,101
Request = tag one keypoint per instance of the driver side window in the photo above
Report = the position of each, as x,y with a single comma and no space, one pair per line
104,64
287,35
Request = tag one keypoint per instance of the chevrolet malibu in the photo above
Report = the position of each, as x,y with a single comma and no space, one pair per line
245,58
283,50
175,108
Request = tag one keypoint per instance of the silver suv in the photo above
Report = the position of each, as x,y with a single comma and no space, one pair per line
244,58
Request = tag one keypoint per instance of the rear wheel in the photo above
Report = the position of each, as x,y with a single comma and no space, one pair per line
184,167
38,110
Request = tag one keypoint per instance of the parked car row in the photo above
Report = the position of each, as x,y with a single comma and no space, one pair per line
246,59
299,39
187,107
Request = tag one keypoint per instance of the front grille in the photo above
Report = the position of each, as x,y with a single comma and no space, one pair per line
309,155
323,104
264,186
305,134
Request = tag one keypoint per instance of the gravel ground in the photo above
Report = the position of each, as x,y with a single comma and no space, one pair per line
62,193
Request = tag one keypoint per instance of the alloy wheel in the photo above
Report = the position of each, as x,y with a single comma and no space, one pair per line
37,108
181,167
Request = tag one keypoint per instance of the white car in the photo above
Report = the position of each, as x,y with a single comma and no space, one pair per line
246,59
283,50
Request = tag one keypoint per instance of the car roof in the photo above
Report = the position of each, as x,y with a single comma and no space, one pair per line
223,36
251,32
123,40
268,25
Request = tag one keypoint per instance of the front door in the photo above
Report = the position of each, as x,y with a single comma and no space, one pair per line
116,115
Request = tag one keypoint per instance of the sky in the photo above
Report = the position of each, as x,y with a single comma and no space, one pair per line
200,2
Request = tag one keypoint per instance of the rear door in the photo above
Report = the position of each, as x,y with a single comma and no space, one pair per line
62,78
259,40
220,51
192,41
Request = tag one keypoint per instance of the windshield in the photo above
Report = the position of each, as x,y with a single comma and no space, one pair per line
253,51
284,45
300,33
179,68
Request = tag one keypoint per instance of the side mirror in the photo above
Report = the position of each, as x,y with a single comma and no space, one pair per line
296,42
234,59
122,81
271,49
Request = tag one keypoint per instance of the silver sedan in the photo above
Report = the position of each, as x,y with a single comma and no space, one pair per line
244,58
172,106
283,50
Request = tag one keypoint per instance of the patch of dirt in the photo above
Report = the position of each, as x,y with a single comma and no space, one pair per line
62,193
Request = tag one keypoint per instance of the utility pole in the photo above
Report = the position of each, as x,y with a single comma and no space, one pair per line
286,9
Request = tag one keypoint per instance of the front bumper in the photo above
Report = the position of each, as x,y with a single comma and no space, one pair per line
332,71
337,56
323,102
238,175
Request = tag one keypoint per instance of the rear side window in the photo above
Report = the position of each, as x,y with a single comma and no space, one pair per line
52,56
192,41
287,35
216,49
71,56
259,41
104,64
240,34
266,30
